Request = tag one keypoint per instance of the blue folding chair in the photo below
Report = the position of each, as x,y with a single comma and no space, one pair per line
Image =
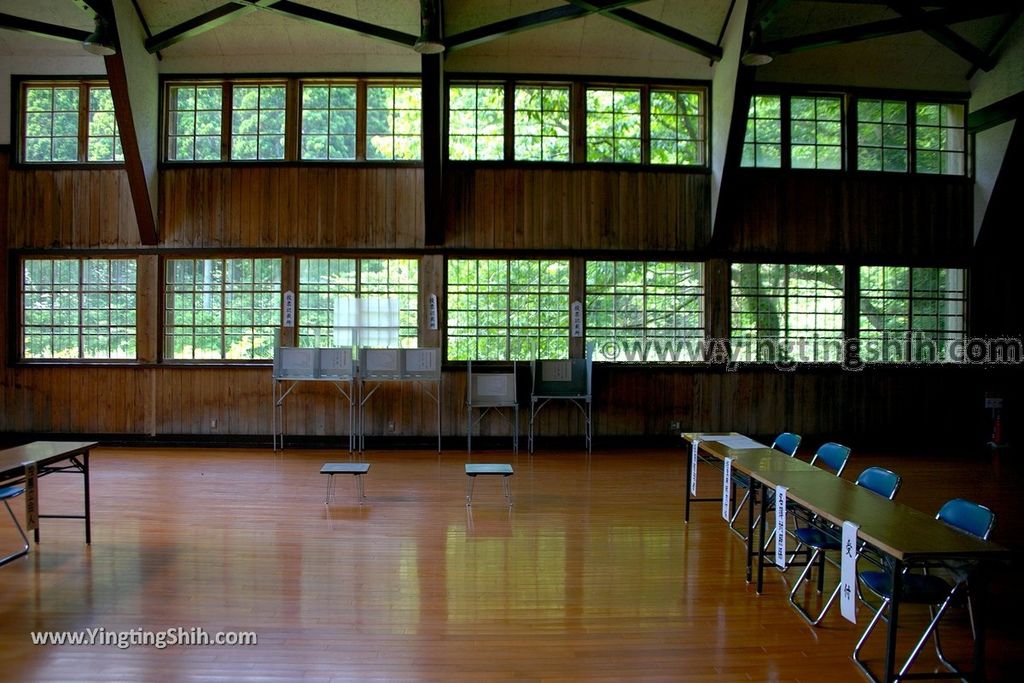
931,589
876,479
830,456
6,493
786,442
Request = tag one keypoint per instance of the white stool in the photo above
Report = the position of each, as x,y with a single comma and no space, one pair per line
356,469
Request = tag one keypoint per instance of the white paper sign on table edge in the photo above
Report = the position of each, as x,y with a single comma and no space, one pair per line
848,572
693,467
780,526
727,489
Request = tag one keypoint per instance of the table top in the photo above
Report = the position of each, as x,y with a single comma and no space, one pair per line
12,460
896,529
345,468
770,460
473,470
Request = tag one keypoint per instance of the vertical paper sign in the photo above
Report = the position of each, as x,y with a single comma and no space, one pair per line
727,489
780,526
432,312
31,497
289,309
848,590
693,467
576,318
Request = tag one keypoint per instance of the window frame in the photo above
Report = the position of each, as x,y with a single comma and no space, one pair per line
19,318
786,333
84,85
358,290
911,352
618,336
293,115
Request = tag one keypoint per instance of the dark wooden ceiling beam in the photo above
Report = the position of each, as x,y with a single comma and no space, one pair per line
870,30
767,12
946,36
996,43
42,29
642,22
525,22
198,25
332,20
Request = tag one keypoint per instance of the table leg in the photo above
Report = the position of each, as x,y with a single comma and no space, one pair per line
88,503
760,539
686,485
894,609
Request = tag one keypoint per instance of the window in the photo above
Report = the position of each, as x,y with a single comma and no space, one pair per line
393,121
69,122
762,143
328,122
476,122
784,313
329,313
257,121
614,125
542,123
194,122
939,138
645,311
677,127
508,310
221,308
882,135
82,309
910,314
104,138
816,132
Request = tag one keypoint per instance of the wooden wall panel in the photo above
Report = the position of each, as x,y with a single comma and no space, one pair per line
330,207
888,216
70,209
544,208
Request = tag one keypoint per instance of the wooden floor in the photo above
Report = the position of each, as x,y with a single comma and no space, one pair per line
592,575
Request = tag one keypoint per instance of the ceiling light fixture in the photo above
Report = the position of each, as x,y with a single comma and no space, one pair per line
429,42
100,41
754,58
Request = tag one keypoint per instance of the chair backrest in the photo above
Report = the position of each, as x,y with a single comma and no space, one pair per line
832,456
881,481
967,516
787,442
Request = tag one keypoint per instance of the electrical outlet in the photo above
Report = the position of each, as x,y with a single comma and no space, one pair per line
674,426
391,425
213,423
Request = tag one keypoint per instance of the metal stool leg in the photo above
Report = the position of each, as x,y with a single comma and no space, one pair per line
24,550
507,488
469,491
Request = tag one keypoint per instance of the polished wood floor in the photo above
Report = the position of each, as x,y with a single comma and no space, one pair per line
592,575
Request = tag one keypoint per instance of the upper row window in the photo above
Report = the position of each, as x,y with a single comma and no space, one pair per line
249,121
622,124
69,123
803,131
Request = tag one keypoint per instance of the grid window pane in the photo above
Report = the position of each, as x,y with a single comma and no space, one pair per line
762,142
816,132
645,310
257,122
330,314
542,123
80,309
613,125
508,309
194,122
393,122
882,136
225,309
476,122
940,139
677,127
104,138
787,313
51,123
910,314
328,122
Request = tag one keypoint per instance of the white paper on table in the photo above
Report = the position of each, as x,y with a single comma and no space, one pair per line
736,442
693,467
556,370
727,490
31,496
780,526
848,572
